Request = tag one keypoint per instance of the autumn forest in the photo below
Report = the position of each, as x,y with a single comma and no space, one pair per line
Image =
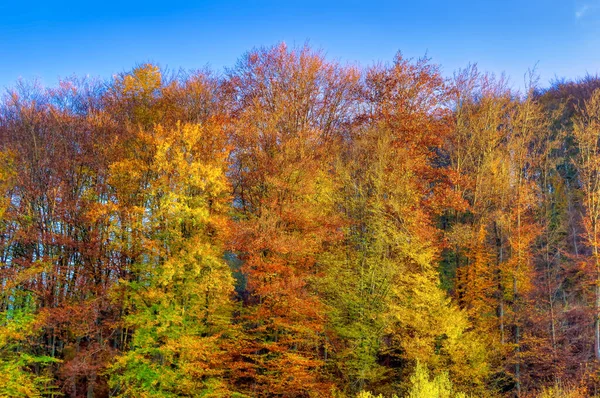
295,227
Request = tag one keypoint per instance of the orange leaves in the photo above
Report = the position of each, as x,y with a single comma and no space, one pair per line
475,280
295,225
283,134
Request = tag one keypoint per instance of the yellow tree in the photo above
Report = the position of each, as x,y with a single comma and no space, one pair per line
494,150
181,298
169,203
586,130
482,106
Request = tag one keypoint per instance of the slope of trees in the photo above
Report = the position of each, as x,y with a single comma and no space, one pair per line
300,228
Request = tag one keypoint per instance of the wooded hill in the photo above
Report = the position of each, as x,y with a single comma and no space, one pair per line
299,228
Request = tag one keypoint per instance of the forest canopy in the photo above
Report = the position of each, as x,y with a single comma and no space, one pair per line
295,227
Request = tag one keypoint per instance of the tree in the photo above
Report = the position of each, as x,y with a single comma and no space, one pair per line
289,105
389,299
585,130
180,301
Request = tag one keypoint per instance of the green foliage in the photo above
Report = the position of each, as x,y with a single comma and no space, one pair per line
22,374
390,304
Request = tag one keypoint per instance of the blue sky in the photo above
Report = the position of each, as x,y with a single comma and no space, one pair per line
52,39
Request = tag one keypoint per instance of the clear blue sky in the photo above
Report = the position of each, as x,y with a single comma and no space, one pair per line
52,39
